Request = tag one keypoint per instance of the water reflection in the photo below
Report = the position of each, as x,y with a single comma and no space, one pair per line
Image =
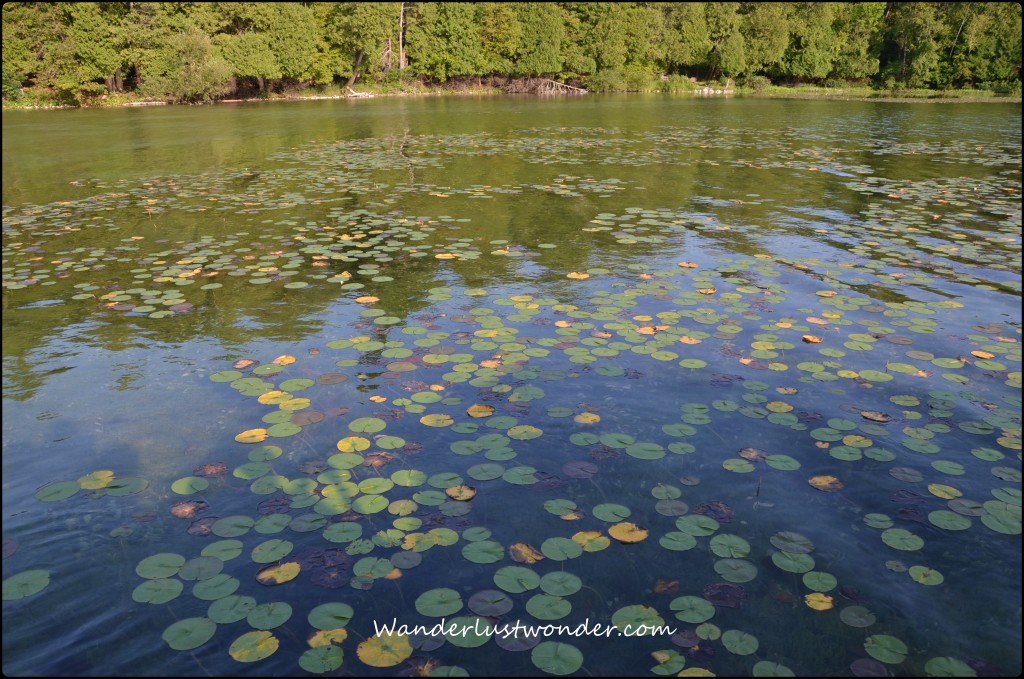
436,235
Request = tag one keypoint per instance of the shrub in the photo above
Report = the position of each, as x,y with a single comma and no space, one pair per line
757,83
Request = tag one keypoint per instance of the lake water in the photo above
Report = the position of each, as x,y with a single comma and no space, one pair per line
276,374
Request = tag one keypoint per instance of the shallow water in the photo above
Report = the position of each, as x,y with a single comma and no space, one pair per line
639,284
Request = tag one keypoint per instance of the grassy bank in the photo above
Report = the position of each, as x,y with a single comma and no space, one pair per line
34,99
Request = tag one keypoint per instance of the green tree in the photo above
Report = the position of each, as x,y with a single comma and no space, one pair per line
192,69
986,44
913,35
443,40
765,29
812,43
687,38
540,49
728,56
364,30
249,55
857,29
501,34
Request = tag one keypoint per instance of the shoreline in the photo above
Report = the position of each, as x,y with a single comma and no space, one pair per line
936,96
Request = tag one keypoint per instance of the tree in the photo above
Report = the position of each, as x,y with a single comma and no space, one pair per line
729,54
812,43
501,34
365,29
193,70
856,29
443,40
765,29
540,50
249,56
687,41
914,31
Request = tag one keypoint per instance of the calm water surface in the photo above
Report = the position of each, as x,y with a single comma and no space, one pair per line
749,369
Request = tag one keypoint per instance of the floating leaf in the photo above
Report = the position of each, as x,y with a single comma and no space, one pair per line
516,579
885,648
818,601
556,658
163,565
829,484
692,609
269,615
627,532
947,666
925,575
154,591
462,631
902,539
25,584
253,646
189,633
438,603
857,616
739,642
321,659
524,553
548,607
278,574
330,616
60,490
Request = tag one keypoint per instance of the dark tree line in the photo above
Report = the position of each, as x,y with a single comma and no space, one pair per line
189,51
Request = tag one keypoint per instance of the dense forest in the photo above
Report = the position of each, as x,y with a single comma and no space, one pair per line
78,52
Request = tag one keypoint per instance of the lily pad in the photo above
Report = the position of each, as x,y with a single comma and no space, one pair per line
189,633
556,658
253,646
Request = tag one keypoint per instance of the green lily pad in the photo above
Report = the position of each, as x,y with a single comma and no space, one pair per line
439,603
885,648
857,616
484,551
560,549
548,607
729,546
794,563
692,609
330,616
819,581
189,633
217,587
231,608
516,579
60,490
157,591
947,666
556,658
163,565
322,659
462,631
611,512
25,584
739,642
902,539
637,620
269,615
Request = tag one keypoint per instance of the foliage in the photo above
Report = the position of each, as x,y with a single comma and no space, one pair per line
77,51
194,71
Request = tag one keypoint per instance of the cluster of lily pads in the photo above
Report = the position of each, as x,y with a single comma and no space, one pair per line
485,462
478,361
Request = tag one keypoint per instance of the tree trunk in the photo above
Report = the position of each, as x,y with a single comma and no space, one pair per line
355,69
401,37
